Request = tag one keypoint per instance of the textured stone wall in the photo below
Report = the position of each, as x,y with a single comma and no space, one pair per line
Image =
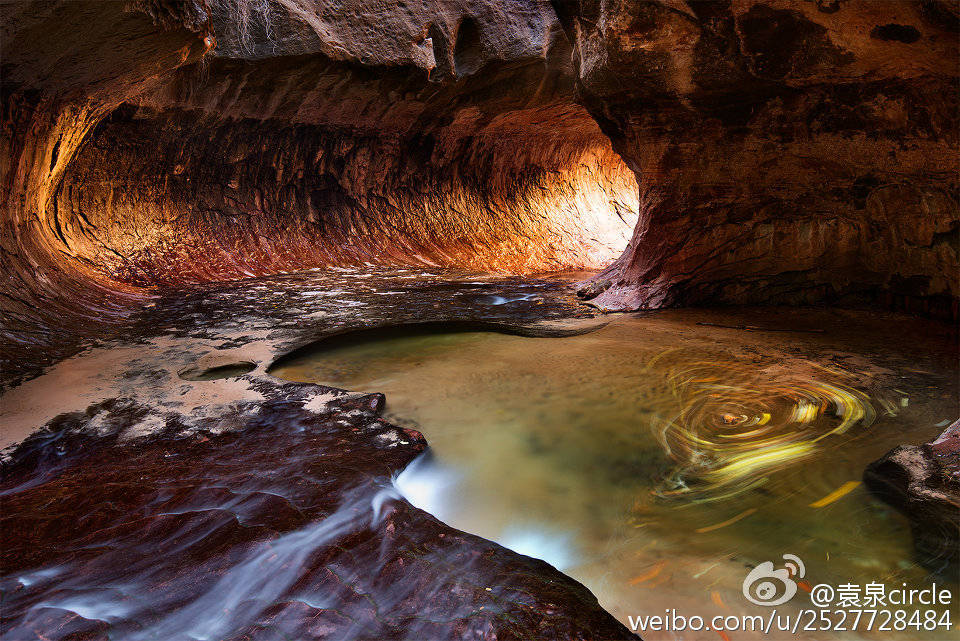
218,182
787,151
65,66
170,141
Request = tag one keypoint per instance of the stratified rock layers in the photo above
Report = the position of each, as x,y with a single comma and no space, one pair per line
749,151
155,143
786,151
186,194
66,66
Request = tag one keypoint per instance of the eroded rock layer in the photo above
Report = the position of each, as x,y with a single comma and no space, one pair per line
152,143
786,151
491,182
66,66
175,489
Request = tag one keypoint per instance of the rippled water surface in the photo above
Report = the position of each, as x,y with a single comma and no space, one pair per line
660,458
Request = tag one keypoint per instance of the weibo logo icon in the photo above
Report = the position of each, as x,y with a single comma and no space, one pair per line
766,586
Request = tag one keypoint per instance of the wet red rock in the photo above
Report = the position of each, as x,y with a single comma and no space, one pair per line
286,528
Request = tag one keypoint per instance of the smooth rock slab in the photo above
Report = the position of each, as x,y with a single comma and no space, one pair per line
146,506
285,527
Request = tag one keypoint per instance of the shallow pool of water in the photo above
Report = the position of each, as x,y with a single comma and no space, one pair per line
659,459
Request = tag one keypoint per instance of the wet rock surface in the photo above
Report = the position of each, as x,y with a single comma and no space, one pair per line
923,482
593,288
288,528
258,320
256,508
784,152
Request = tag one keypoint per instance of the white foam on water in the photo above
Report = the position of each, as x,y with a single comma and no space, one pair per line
38,576
94,605
501,300
427,485
554,548
432,487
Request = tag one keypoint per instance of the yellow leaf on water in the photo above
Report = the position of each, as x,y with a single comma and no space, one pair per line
715,597
838,493
717,526
648,575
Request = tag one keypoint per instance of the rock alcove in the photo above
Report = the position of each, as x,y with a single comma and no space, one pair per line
775,152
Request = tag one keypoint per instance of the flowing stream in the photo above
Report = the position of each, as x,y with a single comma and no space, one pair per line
181,489
658,459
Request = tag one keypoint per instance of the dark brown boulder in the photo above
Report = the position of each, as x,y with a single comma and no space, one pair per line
284,526
923,482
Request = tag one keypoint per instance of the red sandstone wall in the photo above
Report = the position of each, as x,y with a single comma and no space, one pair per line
787,151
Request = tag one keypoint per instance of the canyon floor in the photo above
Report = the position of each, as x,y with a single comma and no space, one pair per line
228,467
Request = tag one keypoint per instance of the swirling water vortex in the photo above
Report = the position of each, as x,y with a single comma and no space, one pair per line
737,423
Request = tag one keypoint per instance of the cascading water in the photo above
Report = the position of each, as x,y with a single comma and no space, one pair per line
657,458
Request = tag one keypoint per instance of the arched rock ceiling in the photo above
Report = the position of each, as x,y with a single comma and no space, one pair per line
151,143
785,151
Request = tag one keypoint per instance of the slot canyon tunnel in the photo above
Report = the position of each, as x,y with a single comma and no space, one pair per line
671,153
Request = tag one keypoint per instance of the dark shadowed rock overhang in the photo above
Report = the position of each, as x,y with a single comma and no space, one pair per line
788,151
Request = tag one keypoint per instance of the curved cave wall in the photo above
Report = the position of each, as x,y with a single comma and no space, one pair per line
786,151
741,151
58,81
345,166
180,142
698,152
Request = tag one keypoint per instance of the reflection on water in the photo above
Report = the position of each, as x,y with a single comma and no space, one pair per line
432,486
658,459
